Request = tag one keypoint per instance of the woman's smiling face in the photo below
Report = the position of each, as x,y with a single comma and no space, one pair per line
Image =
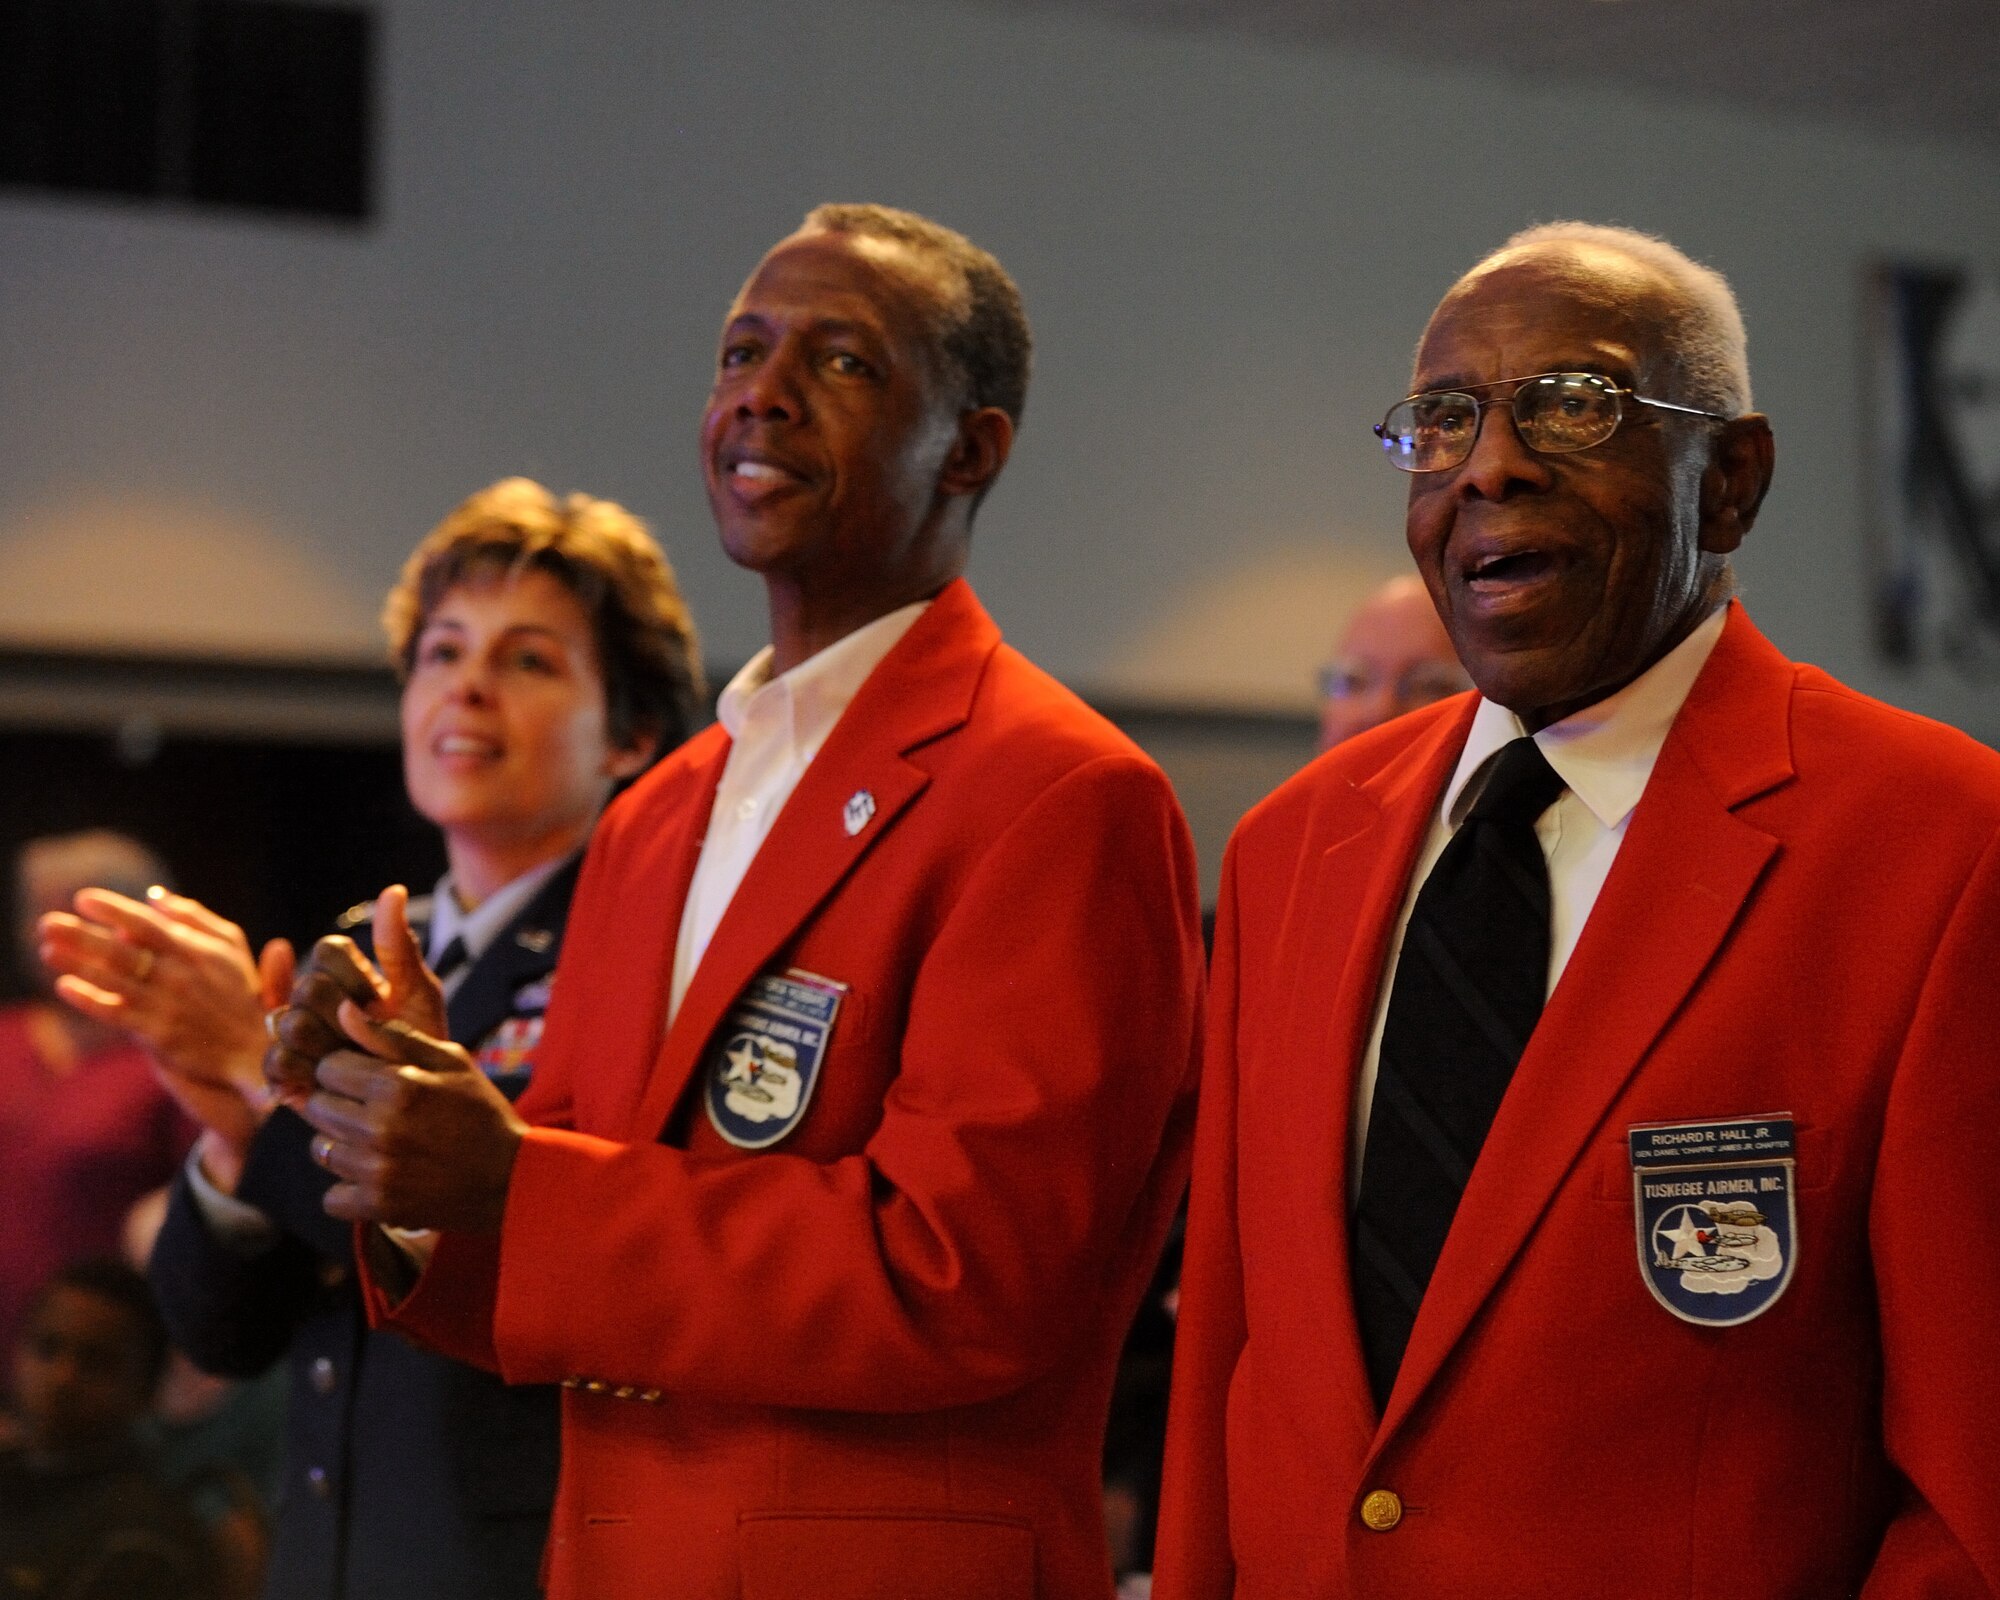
506,739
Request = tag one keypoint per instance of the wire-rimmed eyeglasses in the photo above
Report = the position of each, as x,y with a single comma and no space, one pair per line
1554,413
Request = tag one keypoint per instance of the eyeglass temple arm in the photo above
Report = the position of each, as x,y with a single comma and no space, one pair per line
1668,405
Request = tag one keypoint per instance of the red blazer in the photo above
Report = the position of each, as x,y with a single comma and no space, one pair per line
875,1358
1804,917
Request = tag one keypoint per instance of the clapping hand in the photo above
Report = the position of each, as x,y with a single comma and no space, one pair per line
416,1135
182,980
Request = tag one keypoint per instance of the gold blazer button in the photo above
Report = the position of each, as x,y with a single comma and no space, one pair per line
1382,1510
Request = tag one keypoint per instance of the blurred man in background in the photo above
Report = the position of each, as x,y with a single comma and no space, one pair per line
1393,657
85,1130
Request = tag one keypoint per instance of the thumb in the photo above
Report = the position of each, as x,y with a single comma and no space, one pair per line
397,952
415,994
277,965
396,1040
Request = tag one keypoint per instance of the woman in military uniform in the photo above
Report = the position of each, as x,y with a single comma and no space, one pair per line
546,657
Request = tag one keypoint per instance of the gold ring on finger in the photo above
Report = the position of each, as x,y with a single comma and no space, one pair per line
322,1149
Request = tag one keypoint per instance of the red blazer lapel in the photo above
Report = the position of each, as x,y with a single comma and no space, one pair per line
1373,834
922,690
1682,877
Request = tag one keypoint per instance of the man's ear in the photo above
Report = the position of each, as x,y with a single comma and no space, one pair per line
985,440
634,756
1734,483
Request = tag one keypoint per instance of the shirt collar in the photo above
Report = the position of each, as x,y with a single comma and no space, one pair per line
480,926
1604,753
819,688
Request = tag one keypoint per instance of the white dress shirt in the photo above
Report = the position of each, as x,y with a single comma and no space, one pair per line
1604,754
776,726
480,926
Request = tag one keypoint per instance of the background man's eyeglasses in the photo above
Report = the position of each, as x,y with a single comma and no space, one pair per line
1417,685
1554,413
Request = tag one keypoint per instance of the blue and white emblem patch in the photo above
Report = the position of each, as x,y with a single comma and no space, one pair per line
1718,1230
765,1063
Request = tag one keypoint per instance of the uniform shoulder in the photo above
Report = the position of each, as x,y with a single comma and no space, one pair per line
1031,722
1842,735
361,915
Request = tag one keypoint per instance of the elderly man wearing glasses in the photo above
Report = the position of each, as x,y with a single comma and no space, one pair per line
1594,1188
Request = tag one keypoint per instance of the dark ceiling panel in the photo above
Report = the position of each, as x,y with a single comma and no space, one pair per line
1924,66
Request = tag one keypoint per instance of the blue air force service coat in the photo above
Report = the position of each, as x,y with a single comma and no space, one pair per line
408,1476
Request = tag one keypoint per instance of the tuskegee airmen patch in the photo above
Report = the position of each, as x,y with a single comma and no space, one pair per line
1718,1230
765,1062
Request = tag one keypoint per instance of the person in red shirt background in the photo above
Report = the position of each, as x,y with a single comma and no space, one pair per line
84,1124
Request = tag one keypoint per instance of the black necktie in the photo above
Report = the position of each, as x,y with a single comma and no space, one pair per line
1468,991
450,959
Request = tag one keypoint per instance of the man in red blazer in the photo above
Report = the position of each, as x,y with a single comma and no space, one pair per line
1715,1312
867,1086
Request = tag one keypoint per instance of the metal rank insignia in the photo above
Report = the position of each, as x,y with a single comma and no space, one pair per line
1713,1203
764,1066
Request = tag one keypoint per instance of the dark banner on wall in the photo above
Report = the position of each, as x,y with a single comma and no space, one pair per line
1934,358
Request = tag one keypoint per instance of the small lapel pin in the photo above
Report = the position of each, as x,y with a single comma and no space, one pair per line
855,814
536,940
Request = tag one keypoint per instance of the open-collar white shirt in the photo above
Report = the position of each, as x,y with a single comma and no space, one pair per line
776,726
1604,755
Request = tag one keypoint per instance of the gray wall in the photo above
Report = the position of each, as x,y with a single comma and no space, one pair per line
222,434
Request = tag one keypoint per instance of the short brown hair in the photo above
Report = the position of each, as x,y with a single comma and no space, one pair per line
604,556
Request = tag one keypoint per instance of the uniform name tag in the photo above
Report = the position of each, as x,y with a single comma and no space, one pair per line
1717,1228
765,1063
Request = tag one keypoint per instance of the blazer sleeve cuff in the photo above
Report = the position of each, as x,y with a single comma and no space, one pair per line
547,1273
450,1307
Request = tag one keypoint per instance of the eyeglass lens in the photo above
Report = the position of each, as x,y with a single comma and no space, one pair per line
1417,685
1554,414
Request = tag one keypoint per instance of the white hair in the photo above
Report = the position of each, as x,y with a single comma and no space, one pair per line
1703,339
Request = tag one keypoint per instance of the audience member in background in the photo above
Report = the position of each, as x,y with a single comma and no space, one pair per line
84,1128
546,656
1394,656
216,1441
82,1514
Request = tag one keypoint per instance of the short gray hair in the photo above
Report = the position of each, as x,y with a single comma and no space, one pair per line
1704,338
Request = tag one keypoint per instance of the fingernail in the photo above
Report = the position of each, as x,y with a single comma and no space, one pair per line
156,892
